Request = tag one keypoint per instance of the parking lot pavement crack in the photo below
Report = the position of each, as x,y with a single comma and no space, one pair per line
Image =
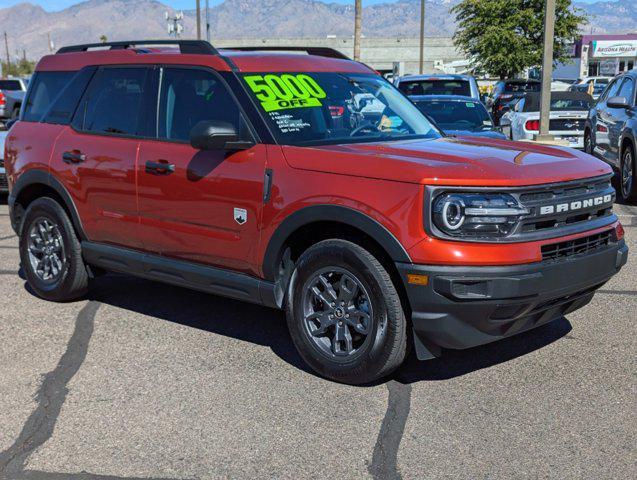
8,272
51,395
618,292
384,463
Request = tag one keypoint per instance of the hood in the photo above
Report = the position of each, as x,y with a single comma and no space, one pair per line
481,133
450,161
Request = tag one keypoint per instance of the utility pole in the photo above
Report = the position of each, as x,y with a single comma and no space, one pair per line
547,71
198,19
6,47
422,36
358,20
208,21
51,47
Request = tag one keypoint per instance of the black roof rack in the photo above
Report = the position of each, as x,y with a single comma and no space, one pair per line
318,51
185,46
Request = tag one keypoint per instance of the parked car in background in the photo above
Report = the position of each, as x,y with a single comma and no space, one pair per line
4,186
419,85
593,89
611,131
567,117
457,115
12,91
506,91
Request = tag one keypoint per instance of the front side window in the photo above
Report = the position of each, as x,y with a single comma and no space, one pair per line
626,90
44,90
114,101
189,96
330,108
10,85
612,90
435,86
522,87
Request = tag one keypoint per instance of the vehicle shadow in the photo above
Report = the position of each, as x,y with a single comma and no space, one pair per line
267,327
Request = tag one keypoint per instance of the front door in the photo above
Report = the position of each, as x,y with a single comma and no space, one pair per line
199,206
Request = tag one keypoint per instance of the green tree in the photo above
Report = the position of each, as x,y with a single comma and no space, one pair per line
19,69
504,37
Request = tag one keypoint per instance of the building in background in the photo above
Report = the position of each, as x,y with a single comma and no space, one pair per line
600,55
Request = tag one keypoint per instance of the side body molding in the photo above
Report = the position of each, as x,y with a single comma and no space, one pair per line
329,213
38,176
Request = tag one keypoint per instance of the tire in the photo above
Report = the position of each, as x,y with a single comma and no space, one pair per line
15,113
588,142
50,253
376,322
627,177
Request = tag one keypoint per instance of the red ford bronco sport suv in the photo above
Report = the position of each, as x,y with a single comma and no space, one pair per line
303,182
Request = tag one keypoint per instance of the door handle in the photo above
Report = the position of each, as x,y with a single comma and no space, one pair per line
73,157
161,167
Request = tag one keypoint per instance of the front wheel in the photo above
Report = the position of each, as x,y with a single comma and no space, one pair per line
588,143
628,186
344,313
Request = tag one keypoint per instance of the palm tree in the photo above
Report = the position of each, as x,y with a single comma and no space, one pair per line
358,20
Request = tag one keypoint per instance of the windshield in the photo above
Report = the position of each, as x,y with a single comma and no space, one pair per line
329,108
453,115
522,87
435,86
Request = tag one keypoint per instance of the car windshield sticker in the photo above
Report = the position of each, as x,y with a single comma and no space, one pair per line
280,92
470,105
287,123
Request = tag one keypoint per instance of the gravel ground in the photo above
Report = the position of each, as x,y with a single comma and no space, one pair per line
144,380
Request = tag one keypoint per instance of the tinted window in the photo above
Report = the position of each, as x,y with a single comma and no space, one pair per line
522,87
613,89
626,90
471,116
435,87
189,96
64,105
44,89
114,101
10,85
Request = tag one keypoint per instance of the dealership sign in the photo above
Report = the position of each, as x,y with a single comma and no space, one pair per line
614,48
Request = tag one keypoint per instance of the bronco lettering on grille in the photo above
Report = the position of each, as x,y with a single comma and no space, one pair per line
576,205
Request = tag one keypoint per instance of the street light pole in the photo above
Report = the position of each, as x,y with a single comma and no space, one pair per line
198,20
422,36
547,71
358,20
207,21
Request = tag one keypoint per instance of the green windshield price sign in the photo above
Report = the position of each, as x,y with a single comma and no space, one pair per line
280,92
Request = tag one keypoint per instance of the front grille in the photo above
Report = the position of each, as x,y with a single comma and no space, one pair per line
576,196
579,246
566,124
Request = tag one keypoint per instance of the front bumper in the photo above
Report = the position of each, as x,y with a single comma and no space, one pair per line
462,307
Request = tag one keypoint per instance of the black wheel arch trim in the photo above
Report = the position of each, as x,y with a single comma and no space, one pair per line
329,213
39,176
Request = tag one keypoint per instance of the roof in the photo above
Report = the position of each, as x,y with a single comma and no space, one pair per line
532,100
438,98
435,76
123,53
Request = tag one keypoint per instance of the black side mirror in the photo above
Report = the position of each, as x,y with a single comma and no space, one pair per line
216,135
618,102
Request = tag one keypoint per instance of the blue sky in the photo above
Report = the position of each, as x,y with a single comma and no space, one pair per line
180,4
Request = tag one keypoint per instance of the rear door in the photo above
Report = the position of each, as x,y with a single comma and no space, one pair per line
199,206
96,157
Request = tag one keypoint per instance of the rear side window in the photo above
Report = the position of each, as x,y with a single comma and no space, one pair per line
43,91
114,101
435,87
522,87
10,85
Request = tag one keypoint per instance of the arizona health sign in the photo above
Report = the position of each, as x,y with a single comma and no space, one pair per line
614,48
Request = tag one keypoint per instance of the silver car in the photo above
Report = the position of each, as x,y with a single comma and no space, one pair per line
438,84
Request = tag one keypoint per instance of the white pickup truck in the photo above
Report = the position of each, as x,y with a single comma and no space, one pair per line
12,91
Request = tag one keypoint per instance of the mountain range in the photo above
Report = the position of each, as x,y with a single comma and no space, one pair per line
28,25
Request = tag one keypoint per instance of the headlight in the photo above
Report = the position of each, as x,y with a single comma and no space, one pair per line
476,215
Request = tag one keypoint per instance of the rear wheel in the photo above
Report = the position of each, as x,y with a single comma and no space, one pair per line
344,313
628,185
50,252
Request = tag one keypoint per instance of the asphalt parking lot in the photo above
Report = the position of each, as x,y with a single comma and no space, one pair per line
143,380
